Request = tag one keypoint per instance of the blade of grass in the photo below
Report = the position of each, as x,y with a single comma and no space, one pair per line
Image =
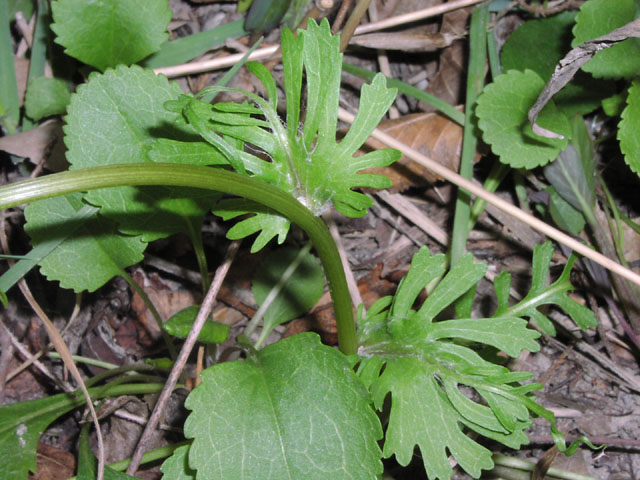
9,103
475,83
38,56
439,104
187,48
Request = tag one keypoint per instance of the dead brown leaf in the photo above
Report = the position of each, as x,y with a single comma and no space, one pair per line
431,134
167,300
448,82
35,144
22,71
53,464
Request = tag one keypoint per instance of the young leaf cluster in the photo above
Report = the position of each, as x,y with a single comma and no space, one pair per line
303,158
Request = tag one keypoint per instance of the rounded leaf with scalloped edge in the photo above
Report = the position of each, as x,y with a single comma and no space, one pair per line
107,33
629,127
502,112
599,17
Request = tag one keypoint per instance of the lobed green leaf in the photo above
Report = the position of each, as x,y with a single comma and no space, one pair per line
431,370
539,45
118,117
304,160
88,257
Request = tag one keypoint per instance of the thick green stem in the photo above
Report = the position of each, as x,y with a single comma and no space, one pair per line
475,82
190,176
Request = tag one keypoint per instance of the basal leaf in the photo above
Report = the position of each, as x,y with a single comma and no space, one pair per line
110,32
539,45
46,97
599,17
304,160
502,111
116,118
21,425
431,371
90,256
629,128
293,410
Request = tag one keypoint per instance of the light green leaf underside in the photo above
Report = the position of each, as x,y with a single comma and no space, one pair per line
108,33
89,257
629,128
599,17
502,111
294,410
180,324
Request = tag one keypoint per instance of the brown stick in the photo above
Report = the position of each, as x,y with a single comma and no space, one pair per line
203,314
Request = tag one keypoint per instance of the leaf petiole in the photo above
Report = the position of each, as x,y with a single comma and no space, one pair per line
190,176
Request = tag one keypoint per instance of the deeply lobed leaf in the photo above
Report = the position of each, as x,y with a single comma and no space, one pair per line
437,381
304,160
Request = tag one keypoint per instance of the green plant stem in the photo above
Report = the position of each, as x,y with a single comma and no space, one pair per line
154,311
86,360
196,240
150,456
475,82
210,179
117,371
529,466
9,108
521,190
38,56
497,174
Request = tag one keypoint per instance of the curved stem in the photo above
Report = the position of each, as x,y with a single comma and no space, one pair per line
209,179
